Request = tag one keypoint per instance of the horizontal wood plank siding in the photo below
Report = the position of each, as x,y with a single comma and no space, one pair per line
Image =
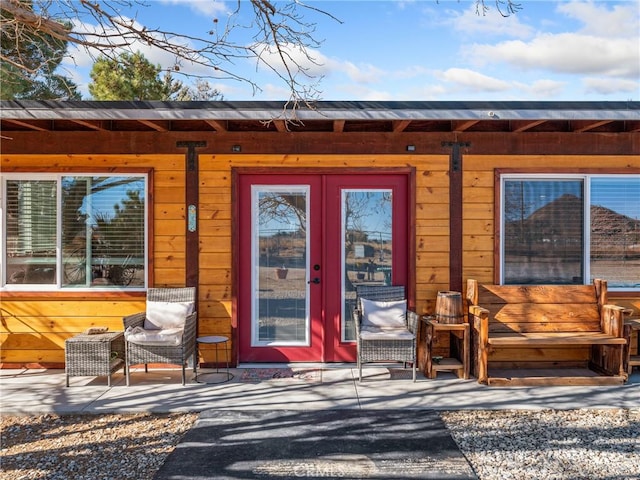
34,327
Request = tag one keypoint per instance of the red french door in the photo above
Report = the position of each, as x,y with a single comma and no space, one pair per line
305,241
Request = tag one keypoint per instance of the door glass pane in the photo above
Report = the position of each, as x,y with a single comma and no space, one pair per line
367,246
280,314
615,230
543,231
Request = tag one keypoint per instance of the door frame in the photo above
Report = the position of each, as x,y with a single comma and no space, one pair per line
236,172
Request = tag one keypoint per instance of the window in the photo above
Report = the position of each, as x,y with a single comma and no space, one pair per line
570,229
74,231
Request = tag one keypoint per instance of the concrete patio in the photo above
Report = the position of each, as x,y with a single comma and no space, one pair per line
334,387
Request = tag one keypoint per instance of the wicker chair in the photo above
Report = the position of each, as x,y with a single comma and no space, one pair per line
385,345
137,354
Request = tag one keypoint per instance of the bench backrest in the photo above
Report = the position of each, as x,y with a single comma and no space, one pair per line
540,308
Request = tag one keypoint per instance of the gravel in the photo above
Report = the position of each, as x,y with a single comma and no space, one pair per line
499,444
549,444
89,447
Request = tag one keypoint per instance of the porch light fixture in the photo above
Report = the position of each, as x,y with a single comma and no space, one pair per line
411,148
236,148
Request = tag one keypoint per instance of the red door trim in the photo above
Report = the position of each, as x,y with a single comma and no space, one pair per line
236,172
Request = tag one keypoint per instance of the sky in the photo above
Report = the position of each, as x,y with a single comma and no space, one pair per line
430,50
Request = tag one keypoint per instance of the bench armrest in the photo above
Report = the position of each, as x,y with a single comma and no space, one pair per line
479,320
479,323
612,320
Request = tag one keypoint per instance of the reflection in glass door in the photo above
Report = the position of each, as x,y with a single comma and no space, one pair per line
280,313
367,246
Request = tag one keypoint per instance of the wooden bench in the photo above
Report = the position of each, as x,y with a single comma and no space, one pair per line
545,334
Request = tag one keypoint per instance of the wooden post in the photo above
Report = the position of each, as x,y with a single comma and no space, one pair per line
455,214
192,206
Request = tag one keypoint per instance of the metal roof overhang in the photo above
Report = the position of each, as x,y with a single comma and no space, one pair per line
20,115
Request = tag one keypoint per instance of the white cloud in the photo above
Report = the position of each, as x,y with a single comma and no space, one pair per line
566,53
619,21
303,62
206,7
359,92
543,88
470,23
609,86
361,74
470,80
606,44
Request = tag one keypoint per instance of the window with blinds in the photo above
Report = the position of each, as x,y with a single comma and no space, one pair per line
80,231
571,230
615,230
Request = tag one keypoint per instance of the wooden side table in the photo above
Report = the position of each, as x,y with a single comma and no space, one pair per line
631,356
94,355
460,342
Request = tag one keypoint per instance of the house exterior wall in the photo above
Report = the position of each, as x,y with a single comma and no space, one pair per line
34,325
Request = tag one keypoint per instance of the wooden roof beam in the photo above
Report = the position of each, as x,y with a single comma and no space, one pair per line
217,125
31,125
632,126
338,126
400,125
581,127
522,126
157,126
95,125
463,126
281,126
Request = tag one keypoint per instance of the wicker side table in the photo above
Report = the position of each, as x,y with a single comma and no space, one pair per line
94,355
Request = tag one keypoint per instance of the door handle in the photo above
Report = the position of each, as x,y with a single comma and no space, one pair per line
315,280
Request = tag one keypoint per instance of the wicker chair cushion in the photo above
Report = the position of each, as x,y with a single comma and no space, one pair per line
386,314
378,333
163,315
167,337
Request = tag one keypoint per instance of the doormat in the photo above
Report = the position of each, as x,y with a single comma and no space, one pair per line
347,443
254,375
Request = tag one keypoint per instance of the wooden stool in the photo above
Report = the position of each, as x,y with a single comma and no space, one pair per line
458,333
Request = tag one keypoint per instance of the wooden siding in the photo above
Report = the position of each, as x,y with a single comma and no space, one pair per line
34,326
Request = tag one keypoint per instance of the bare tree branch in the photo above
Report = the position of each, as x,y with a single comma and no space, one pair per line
282,41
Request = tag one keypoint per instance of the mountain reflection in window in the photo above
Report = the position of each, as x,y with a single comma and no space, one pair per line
547,234
543,232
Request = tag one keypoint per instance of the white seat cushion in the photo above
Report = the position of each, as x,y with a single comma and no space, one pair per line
163,315
166,337
390,314
378,333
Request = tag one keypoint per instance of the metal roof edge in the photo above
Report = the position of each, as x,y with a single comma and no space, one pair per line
324,110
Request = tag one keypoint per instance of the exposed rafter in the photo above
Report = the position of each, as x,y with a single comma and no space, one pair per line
585,127
517,126
400,125
157,126
217,125
93,125
463,126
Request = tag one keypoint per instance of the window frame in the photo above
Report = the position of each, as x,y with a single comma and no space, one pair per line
57,176
502,175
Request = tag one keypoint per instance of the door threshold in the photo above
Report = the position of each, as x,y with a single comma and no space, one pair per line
298,365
